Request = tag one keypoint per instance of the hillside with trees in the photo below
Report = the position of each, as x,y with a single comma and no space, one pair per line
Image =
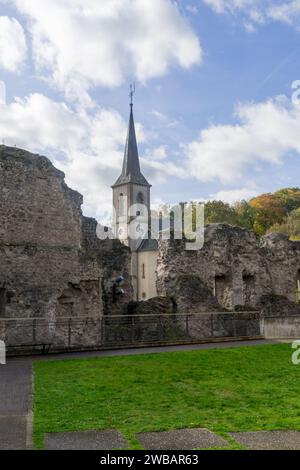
271,212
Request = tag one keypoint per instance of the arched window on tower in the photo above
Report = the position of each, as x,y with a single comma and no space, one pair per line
140,198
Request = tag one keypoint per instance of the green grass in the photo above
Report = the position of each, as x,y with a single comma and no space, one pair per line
238,389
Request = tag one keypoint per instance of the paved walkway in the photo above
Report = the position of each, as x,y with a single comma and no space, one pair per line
15,405
154,349
16,386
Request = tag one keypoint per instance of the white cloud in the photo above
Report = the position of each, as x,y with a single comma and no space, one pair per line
88,148
223,6
266,133
256,12
288,12
159,171
85,43
165,119
2,92
160,116
13,48
158,153
234,195
192,9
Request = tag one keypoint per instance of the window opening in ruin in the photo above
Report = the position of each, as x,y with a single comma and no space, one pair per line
223,290
248,288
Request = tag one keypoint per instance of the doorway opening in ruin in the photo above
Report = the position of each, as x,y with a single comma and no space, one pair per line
298,287
248,289
223,290
2,302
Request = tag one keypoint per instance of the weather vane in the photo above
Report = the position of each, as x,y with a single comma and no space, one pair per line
132,92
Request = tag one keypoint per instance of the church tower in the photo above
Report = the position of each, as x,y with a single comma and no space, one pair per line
131,191
131,199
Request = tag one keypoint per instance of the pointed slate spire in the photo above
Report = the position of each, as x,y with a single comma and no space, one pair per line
131,172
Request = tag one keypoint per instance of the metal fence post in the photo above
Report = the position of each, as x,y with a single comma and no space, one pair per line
69,332
34,331
234,324
132,330
102,331
187,324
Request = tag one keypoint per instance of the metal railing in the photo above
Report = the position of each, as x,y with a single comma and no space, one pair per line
177,328
61,334
127,330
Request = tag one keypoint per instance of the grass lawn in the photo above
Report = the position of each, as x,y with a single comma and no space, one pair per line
239,389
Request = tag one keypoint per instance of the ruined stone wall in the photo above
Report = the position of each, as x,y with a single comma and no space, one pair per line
56,276
114,259
282,258
52,266
233,269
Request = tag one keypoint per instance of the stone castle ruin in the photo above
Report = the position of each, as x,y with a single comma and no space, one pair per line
52,265
57,276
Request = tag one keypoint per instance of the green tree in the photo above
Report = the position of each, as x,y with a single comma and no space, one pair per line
290,197
291,226
219,212
245,215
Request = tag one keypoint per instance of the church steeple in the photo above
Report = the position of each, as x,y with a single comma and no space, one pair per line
131,171
132,211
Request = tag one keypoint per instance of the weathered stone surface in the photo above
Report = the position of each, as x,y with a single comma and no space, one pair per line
269,440
278,306
191,290
52,265
106,439
234,270
181,439
156,305
114,259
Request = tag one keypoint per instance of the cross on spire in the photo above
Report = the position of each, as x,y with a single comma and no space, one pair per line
132,92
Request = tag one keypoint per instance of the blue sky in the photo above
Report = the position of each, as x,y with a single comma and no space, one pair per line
213,103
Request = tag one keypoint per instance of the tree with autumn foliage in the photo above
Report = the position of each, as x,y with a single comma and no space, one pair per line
268,210
271,212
